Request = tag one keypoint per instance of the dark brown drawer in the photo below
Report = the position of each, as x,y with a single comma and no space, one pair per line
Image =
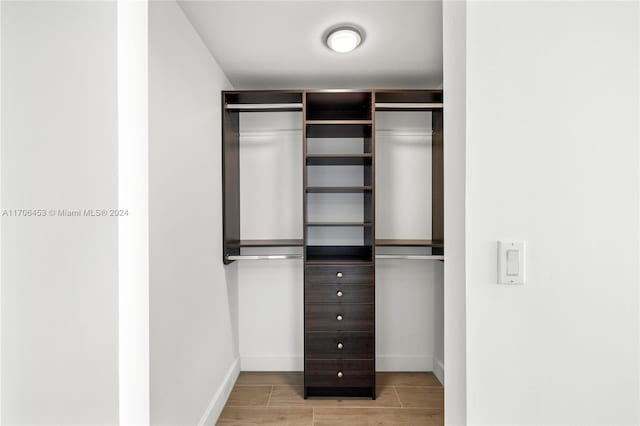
339,345
339,274
338,317
339,372
339,293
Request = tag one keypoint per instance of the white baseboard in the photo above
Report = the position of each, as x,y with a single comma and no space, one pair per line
404,363
438,370
271,363
211,414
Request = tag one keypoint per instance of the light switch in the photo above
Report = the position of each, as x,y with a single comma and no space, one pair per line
511,259
513,266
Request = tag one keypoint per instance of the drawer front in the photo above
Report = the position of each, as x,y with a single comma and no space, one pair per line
339,373
339,345
339,274
339,293
338,317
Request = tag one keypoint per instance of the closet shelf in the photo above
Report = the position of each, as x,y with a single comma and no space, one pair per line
408,243
339,129
337,189
339,254
265,107
346,224
339,159
408,106
267,243
338,122
336,261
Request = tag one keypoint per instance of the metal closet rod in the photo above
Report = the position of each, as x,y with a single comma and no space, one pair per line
299,256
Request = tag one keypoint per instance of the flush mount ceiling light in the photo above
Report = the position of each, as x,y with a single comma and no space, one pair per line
344,39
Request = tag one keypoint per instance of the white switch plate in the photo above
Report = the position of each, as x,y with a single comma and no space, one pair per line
511,262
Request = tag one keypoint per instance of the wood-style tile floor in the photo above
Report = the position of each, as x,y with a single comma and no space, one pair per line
403,399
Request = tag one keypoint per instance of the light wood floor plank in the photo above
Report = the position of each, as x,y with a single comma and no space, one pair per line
249,396
249,416
407,379
292,396
377,417
421,397
276,399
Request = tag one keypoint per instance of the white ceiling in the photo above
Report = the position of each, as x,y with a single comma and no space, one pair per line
279,44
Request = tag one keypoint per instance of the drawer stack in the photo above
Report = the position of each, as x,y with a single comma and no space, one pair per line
339,330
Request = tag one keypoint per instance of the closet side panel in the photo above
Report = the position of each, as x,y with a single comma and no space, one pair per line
437,170
230,182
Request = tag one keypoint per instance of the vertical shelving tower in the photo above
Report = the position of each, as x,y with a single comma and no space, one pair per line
339,254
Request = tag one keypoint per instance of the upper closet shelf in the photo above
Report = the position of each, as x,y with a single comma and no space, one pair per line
408,106
265,107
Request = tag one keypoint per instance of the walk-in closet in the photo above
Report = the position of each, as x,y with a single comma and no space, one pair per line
333,205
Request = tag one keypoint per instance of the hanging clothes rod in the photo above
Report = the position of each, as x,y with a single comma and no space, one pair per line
299,256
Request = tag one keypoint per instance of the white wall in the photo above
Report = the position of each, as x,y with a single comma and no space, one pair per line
59,274
408,293
454,16
193,324
133,228
271,315
553,159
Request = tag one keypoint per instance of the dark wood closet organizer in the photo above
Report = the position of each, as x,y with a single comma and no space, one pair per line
339,280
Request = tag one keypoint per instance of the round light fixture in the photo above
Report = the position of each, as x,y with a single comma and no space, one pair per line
344,39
